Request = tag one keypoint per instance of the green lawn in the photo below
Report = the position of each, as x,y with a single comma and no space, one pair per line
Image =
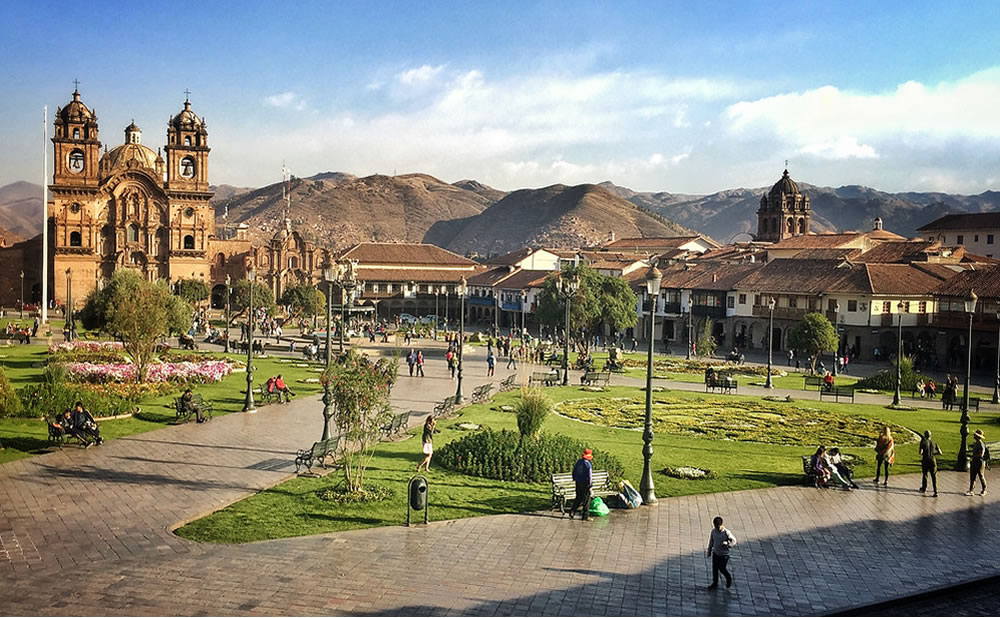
25,437
292,509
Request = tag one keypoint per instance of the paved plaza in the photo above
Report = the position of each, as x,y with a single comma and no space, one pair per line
88,532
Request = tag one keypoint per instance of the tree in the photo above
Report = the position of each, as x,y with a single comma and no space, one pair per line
138,313
706,344
360,391
601,300
304,298
262,296
193,291
813,335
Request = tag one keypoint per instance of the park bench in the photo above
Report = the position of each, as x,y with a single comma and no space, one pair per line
317,453
596,377
266,397
564,488
548,378
482,393
810,473
508,384
57,435
185,415
808,381
18,337
554,359
837,392
445,408
724,382
395,425
973,404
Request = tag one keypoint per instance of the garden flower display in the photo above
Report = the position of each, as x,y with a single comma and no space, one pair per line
202,372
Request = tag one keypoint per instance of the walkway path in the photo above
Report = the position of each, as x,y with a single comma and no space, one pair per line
101,519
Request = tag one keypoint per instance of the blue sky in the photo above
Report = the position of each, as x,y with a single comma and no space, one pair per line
680,97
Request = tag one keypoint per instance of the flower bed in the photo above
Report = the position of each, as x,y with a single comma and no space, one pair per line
203,372
661,366
688,473
85,346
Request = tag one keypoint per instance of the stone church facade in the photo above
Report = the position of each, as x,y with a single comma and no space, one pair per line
784,212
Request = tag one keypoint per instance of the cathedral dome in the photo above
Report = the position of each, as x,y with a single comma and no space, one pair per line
75,110
786,185
186,119
128,157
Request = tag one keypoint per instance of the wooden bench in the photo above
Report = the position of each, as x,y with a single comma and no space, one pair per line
482,393
265,397
838,392
808,381
548,378
508,384
317,453
197,400
395,425
724,382
58,435
445,408
595,377
564,488
973,404
810,473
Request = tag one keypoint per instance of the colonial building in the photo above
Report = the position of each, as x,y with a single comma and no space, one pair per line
978,232
784,212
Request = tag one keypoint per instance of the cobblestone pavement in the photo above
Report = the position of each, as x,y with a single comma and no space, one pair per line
97,522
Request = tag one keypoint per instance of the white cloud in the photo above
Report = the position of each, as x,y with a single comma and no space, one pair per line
285,100
420,75
844,147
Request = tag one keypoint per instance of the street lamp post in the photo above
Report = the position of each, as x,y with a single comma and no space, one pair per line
899,353
22,294
229,283
69,305
347,284
996,380
567,289
770,338
447,301
689,335
496,313
437,318
330,276
248,404
962,464
653,279
463,289
836,351
524,301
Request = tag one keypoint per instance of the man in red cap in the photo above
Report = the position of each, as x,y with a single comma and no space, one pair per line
583,477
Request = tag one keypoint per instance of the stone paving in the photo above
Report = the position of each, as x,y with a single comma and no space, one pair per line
98,522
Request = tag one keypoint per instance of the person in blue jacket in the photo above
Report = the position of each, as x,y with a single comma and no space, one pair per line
583,477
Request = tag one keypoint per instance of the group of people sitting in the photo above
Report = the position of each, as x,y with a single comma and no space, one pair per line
829,465
276,386
926,389
79,423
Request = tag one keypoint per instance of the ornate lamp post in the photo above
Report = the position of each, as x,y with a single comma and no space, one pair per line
229,283
524,301
996,381
447,301
330,273
348,281
653,279
963,462
437,318
22,294
689,335
836,352
69,305
899,353
496,313
568,288
463,289
770,337
248,404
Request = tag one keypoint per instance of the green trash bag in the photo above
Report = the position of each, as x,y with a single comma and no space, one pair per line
598,508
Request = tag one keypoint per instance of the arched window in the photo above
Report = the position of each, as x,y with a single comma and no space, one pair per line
187,167
189,242
791,226
133,233
220,260
802,226
293,262
74,239
187,140
76,133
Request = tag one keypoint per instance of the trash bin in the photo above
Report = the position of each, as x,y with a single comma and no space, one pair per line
417,497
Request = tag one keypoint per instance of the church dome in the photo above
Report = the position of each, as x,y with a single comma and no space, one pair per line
75,110
785,185
186,119
128,157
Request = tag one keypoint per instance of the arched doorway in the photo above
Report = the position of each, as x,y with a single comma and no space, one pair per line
219,297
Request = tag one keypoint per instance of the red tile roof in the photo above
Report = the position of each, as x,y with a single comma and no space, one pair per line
524,279
901,279
985,282
963,221
404,254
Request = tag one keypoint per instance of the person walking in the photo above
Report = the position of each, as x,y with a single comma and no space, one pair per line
583,474
450,357
411,360
490,363
420,363
512,358
977,465
427,440
720,541
929,450
885,453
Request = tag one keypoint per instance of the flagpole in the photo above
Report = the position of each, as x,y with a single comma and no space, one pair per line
45,216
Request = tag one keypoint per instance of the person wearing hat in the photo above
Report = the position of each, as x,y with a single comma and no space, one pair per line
583,477
980,455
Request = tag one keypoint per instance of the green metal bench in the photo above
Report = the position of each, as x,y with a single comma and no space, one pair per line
317,453
838,392
183,414
595,377
564,488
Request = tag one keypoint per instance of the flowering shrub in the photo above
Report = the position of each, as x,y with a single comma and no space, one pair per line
130,390
204,372
85,346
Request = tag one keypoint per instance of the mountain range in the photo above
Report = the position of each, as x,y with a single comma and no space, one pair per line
338,209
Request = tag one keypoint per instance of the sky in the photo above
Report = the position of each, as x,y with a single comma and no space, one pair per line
685,97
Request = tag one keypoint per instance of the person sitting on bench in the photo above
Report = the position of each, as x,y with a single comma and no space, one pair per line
83,422
190,407
828,382
64,424
282,389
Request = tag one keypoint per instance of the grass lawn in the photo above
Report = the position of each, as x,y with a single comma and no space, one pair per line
23,437
292,508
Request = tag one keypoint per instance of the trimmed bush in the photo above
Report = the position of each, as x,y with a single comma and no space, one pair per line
505,456
531,410
885,380
10,403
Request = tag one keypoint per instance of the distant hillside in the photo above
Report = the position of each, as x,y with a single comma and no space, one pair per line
556,216
337,210
21,209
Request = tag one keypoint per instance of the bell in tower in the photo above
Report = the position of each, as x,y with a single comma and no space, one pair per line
76,148
187,151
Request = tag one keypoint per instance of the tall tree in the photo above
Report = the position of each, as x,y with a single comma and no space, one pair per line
600,300
706,345
813,335
193,291
138,313
262,296
304,298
